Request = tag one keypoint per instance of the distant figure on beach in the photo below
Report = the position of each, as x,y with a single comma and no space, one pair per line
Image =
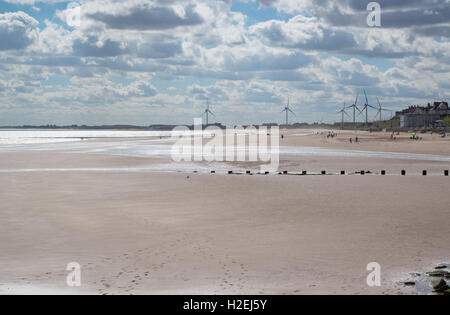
282,136
351,140
356,139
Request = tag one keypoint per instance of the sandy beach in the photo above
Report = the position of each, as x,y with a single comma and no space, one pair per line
152,232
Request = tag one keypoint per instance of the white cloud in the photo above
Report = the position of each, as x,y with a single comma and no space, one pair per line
117,61
18,30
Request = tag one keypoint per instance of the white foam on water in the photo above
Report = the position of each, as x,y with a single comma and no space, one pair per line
141,149
162,148
35,136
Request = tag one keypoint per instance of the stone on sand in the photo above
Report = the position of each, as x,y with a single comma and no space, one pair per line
439,273
440,286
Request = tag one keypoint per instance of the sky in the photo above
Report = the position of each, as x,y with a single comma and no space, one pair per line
149,62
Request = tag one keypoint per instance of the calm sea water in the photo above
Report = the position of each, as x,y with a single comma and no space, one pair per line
76,141
24,136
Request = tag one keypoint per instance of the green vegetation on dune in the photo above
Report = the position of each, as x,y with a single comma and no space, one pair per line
447,120
388,123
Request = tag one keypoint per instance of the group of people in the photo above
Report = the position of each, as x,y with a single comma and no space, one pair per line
331,135
414,136
356,140
393,137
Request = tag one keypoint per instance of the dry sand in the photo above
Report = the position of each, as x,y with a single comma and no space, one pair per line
152,233
376,141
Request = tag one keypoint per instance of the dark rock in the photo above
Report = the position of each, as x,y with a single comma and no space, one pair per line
440,285
447,292
441,267
439,273
410,283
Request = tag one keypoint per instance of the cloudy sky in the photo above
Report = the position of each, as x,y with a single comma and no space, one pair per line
157,61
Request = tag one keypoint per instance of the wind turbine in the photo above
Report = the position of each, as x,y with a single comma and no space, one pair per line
288,110
343,112
381,109
366,107
355,108
208,112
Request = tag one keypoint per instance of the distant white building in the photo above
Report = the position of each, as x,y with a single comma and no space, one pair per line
418,116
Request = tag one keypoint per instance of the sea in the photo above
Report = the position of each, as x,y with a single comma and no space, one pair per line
156,144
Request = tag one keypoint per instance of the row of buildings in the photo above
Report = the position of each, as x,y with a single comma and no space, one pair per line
420,116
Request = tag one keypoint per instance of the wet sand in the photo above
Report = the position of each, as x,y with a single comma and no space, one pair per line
152,233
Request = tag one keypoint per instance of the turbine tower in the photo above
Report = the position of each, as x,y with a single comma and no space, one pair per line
343,112
366,107
355,108
381,109
208,112
288,110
